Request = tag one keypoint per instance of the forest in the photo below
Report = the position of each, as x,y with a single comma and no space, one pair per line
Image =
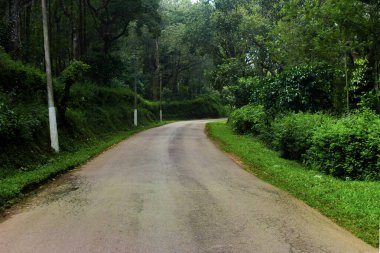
208,47
274,66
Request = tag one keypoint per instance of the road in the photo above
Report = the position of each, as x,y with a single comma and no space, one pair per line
168,189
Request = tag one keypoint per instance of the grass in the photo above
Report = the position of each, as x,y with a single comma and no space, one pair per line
354,205
14,185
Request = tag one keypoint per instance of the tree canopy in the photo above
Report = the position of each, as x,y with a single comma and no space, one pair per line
196,47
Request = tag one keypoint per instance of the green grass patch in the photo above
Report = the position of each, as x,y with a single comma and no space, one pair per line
13,185
354,205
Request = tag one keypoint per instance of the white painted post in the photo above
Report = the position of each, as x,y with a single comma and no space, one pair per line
135,117
135,89
53,129
52,113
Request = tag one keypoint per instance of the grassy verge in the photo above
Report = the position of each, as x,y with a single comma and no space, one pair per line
354,205
15,184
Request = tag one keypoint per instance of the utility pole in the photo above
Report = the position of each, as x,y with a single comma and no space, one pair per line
159,72
347,86
160,96
135,111
52,112
135,70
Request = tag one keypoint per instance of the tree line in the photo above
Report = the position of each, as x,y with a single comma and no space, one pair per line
87,30
207,46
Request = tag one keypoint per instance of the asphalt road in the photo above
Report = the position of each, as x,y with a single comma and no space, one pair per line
168,189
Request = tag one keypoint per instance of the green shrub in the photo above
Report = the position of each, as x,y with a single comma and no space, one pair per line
101,109
299,89
248,119
292,134
19,121
306,88
249,90
205,106
20,79
348,148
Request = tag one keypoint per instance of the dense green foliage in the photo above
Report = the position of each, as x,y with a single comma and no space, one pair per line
352,204
86,30
248,119
348,148
21,96
206,106
292,133
188,48
295,55
73,72
290,57
20,80
302,88
293,42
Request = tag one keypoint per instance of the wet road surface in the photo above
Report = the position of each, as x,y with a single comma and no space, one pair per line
168,189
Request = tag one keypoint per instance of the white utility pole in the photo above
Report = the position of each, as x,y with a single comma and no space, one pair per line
160,96
347,87
52,112
135,111
159,73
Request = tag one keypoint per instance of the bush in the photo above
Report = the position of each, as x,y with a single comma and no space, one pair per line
248,91
300,89
292,134
102,109
206,106
19,79
19,121
248,119
306,88
348,148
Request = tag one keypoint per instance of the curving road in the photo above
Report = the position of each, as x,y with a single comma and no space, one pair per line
168,189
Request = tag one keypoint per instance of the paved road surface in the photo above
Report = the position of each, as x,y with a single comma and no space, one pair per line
168,189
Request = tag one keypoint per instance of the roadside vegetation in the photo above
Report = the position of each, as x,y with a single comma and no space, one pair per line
347,147
351,204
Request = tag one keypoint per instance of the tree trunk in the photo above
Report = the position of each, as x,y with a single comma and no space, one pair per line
15,28
75,41
26,50
157,71
81,29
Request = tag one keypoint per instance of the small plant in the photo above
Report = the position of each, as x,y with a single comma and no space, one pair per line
366,95
69,76
74,72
